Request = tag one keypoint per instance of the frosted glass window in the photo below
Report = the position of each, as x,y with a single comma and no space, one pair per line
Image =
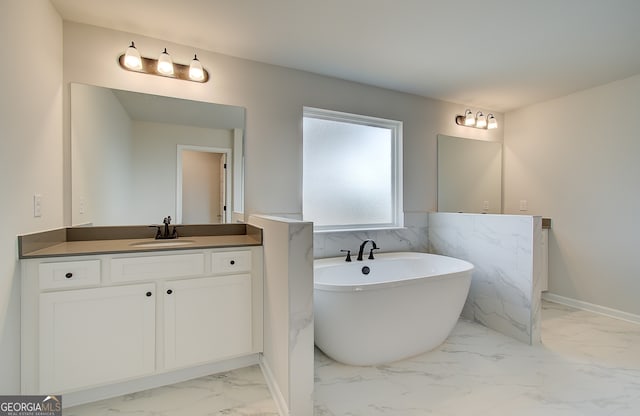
351,171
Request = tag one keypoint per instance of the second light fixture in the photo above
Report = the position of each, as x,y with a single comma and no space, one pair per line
479,121
163,66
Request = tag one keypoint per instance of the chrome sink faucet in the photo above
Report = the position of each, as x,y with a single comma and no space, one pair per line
361,250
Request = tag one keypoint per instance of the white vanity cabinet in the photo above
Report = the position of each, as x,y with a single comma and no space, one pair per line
99,320
206,319
209,318
95,336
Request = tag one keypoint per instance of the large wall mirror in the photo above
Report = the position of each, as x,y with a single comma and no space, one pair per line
469,175
137,158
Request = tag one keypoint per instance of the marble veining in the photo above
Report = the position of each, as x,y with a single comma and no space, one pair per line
301,318
505,289
241,392
412,237
587,365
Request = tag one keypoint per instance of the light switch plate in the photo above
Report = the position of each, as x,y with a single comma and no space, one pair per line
524,205
37,205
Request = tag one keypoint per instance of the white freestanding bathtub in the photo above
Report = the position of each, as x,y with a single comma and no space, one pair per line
377,311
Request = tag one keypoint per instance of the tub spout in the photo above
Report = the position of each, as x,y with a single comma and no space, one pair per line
364,243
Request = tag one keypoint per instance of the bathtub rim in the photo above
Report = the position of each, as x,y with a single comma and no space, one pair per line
465,271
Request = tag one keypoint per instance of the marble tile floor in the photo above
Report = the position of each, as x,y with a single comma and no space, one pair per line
587,365
241,392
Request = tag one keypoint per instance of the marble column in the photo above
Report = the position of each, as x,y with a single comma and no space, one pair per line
288,312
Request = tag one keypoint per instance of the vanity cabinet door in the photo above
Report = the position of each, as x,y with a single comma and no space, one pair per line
207,319
90,337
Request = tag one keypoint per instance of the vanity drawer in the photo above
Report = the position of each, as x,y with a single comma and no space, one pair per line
231,262
127,269
68,274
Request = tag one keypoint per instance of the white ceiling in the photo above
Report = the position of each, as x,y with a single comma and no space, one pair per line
495,54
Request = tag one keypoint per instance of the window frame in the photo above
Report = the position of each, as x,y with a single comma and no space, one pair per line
395,126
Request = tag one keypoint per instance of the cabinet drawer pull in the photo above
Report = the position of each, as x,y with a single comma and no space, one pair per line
169,292
231,262
56,274
148,294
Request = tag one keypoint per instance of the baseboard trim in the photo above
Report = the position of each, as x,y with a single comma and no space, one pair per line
591,307
156,380
277,395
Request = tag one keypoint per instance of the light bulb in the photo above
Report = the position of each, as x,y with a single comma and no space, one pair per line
469,119
165,64
492,123
481,121
196,72
132,58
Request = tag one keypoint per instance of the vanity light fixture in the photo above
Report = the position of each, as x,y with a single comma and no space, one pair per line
163,66
165,63
196,72
469,119
132,59
479,121
492,123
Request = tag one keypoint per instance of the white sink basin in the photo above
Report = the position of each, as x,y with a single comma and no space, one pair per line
162,243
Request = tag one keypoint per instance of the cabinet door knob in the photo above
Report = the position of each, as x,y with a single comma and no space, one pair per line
148,294
169,292
232,262
68,275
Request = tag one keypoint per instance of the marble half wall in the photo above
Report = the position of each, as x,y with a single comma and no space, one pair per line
288,312
412,237
505,250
